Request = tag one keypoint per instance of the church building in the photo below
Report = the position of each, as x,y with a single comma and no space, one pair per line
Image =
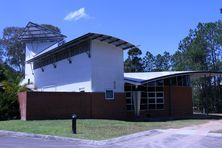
86,76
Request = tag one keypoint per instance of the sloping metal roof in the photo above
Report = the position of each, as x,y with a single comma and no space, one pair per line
140,78
89,36
35,32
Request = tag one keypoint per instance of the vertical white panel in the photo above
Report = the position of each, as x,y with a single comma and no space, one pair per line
107,67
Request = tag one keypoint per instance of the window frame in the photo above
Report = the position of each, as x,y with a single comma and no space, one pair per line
109,98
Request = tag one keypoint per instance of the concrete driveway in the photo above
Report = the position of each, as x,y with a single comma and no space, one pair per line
194,136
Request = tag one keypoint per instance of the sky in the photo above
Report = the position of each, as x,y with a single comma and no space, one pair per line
153,25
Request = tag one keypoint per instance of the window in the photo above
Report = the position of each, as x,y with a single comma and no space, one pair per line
159,83
174,81
155,95
128,94
151,88
63,54
159,94
178,81
109,95
152,96
167,82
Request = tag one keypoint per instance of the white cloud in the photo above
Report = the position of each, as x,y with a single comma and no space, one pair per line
76,15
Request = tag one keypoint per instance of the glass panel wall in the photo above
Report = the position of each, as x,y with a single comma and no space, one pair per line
129,98
152,93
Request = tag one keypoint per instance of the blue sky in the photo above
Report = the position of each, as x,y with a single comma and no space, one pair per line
155,25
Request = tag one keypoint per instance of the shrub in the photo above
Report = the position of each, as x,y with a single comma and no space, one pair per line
9,107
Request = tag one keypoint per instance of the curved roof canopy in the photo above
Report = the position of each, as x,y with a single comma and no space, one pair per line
111,40
140,78
89,36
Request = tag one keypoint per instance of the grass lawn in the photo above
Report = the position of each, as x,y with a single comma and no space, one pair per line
91,129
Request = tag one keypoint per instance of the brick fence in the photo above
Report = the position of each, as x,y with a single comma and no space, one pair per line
61,105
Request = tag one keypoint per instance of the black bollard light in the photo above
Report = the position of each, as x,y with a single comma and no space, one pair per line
74,117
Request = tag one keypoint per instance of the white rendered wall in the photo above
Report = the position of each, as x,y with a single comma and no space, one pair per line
107,67
31,50
69,77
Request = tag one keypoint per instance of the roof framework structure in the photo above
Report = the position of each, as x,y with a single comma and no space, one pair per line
35,32
111,40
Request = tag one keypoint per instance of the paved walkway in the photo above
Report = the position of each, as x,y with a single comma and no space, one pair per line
194,136
197,136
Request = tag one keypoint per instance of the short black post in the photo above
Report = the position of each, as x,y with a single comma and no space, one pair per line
74,117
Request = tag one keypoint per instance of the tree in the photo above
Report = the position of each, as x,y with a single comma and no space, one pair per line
158,62
148,62
202,50
191,53
13,49
176,61
9,80
163,62
134,62
167,60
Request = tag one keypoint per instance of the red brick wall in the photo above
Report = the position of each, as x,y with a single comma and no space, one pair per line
110,109
58,105
181,101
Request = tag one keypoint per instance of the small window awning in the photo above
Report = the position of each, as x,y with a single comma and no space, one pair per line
140,78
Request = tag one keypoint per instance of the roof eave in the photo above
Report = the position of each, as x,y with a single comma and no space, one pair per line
88,36
202,74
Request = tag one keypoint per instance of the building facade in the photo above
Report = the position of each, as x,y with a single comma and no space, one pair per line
90,63
86,76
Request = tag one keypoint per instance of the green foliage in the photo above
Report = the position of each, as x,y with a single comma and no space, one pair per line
163,62
10,80
158,62
134,62
202,50
148,62
14,50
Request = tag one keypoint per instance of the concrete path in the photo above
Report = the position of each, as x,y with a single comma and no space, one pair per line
193,136
197,136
